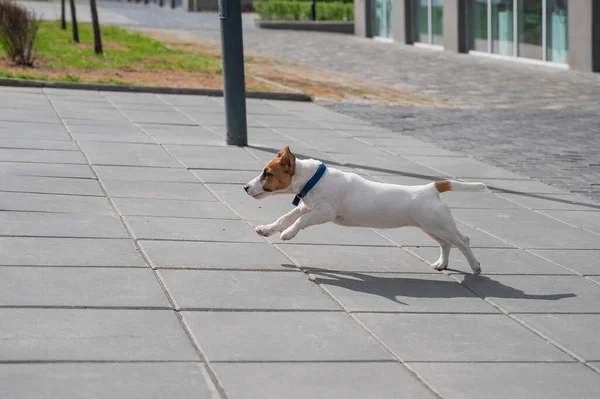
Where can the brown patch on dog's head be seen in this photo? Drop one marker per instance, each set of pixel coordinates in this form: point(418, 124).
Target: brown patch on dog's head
point(443, 186)
point(278, 173)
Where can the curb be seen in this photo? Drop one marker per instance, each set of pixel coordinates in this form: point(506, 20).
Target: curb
point(342, 27)
point(262, 95)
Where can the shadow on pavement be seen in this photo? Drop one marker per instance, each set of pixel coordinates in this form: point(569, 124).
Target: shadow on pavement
point(391, 286)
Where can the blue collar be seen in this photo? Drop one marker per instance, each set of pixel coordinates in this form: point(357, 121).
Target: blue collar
point(311, 183)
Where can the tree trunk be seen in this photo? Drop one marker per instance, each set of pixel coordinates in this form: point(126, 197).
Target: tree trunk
point(96, 27)
point(63, 17)
point(74, 21)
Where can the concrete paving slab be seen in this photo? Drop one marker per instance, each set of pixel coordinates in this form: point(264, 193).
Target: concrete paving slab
point(137, 174)
point(494, 261)
point(424, 151)
point(45, 170)
point(200, 157)
point(545, 294)
point(394, 292)
point(35, 224)
point(528, 229)
point(581, 261)
point(158, 190)
point(327, 380)
point(117, 136)
point(173, 208)
point(510, 380)
point(477, 200)
point(123, 154)
point(50, 185)
point(356, 259)
point(154, 116)
point(81, 287)
point(188, 135)
point(102, 130)
point(566, 202)
point(332, 234)
point(30, 251)
point(575, 332)
point(54, 203)
point(235, 177)
point(381, 164)
point(282, 336)
point(413, 236)
point(401, 180)
point(265, 210)
point(223, 289)
point(464, 338)
point(89, 380)
point(38, 144)
point(165, 228)
point(523, 186)
point(41, 156)
point(93, 335)
point(32, 130)
point(464, 167)
point(585, 219)
point(218, 255)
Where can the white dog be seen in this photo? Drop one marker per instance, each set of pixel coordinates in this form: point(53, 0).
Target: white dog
point(330, 195)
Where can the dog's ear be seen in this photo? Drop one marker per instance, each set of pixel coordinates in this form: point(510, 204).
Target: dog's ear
point(288, 160)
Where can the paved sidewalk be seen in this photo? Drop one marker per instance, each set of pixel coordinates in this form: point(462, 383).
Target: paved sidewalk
point(129, 267)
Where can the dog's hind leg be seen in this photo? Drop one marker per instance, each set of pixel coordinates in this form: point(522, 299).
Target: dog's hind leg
point(442, 262)
point(440, 223)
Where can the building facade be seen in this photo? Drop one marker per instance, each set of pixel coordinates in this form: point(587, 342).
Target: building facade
point(563, 33)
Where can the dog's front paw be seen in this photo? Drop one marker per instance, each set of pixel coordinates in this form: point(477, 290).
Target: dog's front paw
point(264, 231)
point(288, 234)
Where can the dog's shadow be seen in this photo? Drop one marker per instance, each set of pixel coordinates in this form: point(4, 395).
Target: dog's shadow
point(391, 287)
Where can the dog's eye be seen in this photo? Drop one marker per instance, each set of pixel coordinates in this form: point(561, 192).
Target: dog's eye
point(266, 174)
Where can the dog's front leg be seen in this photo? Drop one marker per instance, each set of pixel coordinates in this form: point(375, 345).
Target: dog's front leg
point(321, 214)
point(283, 222)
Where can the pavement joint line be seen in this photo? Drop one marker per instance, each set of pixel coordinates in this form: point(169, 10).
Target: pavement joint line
point(200, 353)
point(7, 147)
point(96, 361)
point(56, 236)
point(223, 269)
point(82, 307)
point(53, 177)
point(75, 266)
point(46, 193)
point(304, 361)
point(178, 217)
point(46, 163)
point(256, 310)
point(188, 240)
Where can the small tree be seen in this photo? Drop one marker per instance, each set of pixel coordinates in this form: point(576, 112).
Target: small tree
point(74, 21)
point(18, 32)
point(96, 27)
point(63, 18)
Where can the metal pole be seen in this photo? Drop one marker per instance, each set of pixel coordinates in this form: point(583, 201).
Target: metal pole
point(172, 3)
point(230, 13)
point(313, 10)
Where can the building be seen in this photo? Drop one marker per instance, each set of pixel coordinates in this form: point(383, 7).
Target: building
point(562, 33)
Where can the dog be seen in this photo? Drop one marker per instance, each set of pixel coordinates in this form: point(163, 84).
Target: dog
point(346, 199)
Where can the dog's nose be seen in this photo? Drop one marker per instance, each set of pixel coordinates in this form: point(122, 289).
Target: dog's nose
point(246, 187)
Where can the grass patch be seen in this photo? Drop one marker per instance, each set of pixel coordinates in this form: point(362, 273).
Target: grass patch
point(122, 49)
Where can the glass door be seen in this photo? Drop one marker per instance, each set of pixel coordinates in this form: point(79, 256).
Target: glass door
point(427, 21)
point(382, 18)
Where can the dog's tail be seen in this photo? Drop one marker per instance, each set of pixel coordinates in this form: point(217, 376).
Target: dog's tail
point(453, 185)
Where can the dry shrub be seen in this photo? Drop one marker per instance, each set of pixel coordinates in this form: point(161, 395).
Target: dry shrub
point(18, 32)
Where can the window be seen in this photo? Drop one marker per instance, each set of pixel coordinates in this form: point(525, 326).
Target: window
point(532, 29)
point(428, 21)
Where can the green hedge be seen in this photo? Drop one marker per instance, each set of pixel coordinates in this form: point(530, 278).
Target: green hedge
point(294, 10)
